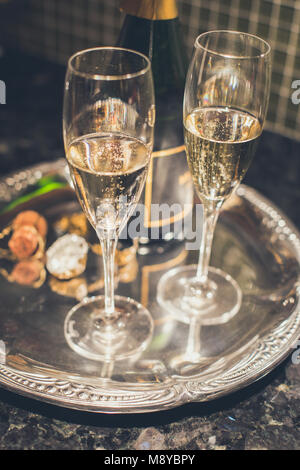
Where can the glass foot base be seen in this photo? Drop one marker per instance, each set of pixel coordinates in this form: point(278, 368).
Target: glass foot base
point(185, 298)
point(93, 335)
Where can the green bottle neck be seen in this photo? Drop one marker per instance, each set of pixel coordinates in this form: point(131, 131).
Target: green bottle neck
point(161, 41)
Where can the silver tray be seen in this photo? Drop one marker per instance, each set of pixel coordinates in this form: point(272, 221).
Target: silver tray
point(254, 242)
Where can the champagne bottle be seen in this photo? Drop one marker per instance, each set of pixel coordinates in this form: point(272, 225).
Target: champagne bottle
point(152, 27)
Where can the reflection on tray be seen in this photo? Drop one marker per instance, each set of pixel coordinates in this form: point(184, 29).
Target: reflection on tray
point(254, 243)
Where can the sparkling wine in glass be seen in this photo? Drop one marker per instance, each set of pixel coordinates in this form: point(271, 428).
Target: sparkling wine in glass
point(225, 104)
point(108, 124)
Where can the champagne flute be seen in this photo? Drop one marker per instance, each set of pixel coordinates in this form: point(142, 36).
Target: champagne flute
point(108, 124)
point(225, 104)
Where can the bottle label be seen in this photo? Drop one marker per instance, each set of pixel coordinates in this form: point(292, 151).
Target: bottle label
point(150, 9)
point(168, 180)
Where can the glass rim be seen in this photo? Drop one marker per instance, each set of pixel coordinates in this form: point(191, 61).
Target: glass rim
point(99, 76)
point(267, 51)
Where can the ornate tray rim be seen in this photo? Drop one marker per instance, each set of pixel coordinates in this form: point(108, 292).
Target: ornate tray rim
point(75, 394)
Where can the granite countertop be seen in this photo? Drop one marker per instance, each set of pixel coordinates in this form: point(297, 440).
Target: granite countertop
point(265, 415)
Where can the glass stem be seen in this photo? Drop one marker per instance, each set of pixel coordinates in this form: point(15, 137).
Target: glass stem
point(211, 210)
point(108, 240)
point(193, 344)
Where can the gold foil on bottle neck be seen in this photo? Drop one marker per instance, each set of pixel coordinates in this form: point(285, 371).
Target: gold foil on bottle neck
point(150, 9)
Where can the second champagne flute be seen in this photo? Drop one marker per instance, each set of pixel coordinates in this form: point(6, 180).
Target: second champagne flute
point(108, 124)
point(225, 104)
